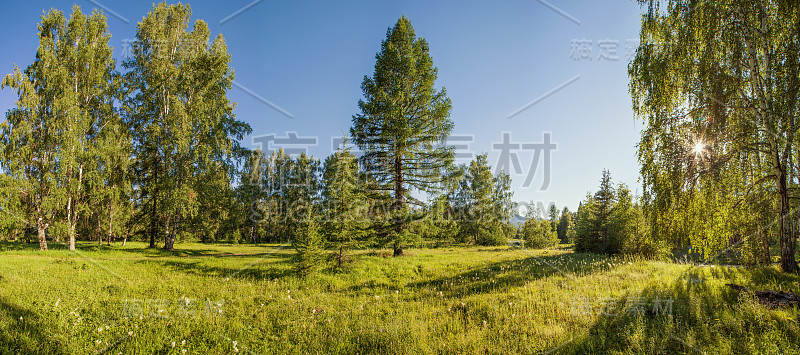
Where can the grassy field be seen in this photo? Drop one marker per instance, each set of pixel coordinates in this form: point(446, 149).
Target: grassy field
point(247, 299)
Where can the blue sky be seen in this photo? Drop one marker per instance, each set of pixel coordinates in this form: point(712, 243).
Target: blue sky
point(308, 58)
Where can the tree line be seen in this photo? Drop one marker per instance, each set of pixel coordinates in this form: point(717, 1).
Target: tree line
point(151, 152)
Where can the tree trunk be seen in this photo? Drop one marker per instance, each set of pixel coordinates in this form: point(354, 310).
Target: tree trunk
point(110, 222)
point(398, 205)
point(169, 241)
point(172, 232)
point(788, 242)
point(71, 225)
point(153, 223)
point(169, 245)
point(154, 211)
point(41, 227)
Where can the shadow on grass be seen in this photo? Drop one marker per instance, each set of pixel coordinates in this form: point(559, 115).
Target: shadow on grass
point(689, 316)
point(508, 274)
point(24, 334)
point(93, 247)
point(158, 252)
point(256, 270)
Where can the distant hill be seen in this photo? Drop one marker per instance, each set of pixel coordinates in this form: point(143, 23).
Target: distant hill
point(517, 220)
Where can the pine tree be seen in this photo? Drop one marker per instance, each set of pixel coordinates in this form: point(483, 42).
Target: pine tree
point(621, 221)
point(477, 186)
point(585, 240)
point(593, 219)
point(402, 123)
point(482, 204)
point(570, 230)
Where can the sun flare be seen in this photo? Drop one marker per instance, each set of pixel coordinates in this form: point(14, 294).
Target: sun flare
point(698, 148)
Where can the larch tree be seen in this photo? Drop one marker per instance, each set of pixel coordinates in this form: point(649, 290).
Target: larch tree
point(403, 124)
point(309, 244)
point(344, 205)
point(303, 194)
point(182, 121)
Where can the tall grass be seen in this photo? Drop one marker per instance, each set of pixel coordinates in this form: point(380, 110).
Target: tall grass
point(247, 299)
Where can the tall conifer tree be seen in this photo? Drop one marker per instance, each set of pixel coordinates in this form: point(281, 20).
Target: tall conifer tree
point(403, 122)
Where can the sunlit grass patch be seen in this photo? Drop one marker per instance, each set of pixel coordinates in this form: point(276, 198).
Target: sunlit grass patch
point(246, 298)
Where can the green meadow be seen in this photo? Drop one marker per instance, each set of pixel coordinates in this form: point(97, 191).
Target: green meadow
point(221, 299)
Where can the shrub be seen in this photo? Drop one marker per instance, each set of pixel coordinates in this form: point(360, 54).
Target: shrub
point(539, 234)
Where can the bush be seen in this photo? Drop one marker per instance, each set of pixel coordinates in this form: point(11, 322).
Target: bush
point(639, 241)
point(491, 234)
point(539, 234)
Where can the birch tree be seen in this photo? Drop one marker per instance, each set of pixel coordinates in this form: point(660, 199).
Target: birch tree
point(721, 77)
point(182, 122)
point(65, 101)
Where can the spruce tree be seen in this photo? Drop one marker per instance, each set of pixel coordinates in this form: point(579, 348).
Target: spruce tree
point(601, 214)
point(563, 224)
point(552, 214)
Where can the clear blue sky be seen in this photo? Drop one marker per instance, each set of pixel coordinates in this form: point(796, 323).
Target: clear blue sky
point(309, 57)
